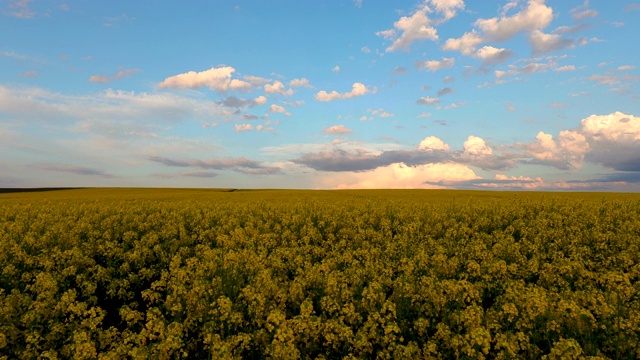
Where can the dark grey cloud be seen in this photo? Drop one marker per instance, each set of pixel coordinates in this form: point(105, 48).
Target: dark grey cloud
point(242, 165)
point(341, 160)
point(72, 169)
point(618, 156)
point(249, 117)
point(445, 91)
point(235, 102)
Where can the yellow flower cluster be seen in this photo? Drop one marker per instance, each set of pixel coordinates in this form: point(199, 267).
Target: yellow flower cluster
point(167, 274)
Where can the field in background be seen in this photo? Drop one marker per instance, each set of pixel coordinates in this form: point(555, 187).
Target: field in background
point(226, 273)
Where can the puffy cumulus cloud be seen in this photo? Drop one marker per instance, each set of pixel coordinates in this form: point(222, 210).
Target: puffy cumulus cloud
point(409, 29)
point(302, 82)
point(435, 65)
point(419, 26)
point(543, 43)
point(567, 152)
point(617, 126)
point(466, 44)
point(433, 143)
point(337, 129)
point(240, 85)
point(477, 152)
point(614, 140)
point(260, 100)
point(278, 109)
point(240, 164)
point(448, 8)
point(535, 16)
point(399, 176)
point(217, 79)
point(431, 150)
point(243, 127)
point(476, 146)
point(491, 55)
point(358, 89)
point(277, 88)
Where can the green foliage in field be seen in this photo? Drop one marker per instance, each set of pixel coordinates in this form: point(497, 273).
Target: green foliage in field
point(163, 274)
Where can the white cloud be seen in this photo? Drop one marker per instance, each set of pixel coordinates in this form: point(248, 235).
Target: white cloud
point(626, 67)
point(411, 28)
point(447, 8)
point(243, 127)
point(278, 109)
point(567, 152)
point(535, 16)
point(337, 129)
point(358, 89)
point(336, 68)
point(466, 44)
point(431, 143)
point(476, 146)
point(491, 55)
point(302, 82)
point(617, 126)
point(399, 176)
point(260, 100)
point(614, 140)
point(435, 65)
point(240, 85)
point(277, 88)
point(217, 79)
point(365, 50)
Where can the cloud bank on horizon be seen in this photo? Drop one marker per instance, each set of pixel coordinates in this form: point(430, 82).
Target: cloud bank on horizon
point(505, 94)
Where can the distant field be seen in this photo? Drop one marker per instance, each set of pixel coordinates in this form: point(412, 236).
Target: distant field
point(301, 274)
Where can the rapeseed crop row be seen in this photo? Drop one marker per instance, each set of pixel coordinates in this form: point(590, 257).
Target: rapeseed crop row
point(302, 275)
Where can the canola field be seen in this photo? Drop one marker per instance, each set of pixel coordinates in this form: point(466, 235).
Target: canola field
point(275, 274)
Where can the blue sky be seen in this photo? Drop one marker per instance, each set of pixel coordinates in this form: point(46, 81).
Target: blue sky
point(523, 94)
